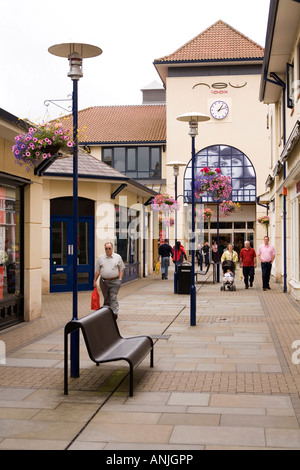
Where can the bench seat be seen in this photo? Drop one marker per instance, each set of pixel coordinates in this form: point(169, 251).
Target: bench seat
point(105, 344)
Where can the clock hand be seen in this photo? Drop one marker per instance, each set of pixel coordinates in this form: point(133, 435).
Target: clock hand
point(222, 107)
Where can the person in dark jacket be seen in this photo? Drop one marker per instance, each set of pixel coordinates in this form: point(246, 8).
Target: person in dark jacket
point(165, 251)
point(205, 250)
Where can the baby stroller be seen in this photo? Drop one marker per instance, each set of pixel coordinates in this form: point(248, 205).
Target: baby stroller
point(228, 280)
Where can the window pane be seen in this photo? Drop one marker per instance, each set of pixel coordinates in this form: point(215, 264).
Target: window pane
point(239, 225)
point(119, 159)
point(143, 174)
point(155, 163)
point(143, 159)
point(59, 243)
point(83, 251)
point(131, 160)
point(107, 156)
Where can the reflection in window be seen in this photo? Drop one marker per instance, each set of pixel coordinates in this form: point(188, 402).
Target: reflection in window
point(232, 162)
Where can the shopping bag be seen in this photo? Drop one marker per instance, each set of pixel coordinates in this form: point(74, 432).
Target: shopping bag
point(157, 268)
point(95, 302)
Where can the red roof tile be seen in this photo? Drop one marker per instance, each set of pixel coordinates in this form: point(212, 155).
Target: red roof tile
point(218, 42)
point(123, 124)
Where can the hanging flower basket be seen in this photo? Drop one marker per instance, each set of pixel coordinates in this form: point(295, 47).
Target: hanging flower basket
point(168, 221)
point(206, 214)
point(211, 181)
point(264, 220)
point(229, 207)
point(41, 142)
point(164, 203)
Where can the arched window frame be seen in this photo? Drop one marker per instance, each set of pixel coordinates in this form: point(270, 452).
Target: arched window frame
point(232, 162)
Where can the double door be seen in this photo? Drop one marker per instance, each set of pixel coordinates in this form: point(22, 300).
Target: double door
point(61, 257)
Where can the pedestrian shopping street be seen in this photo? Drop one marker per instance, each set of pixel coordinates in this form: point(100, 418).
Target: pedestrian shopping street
point(230, 382)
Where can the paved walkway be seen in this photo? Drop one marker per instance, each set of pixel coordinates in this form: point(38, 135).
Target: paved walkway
point(227, 383)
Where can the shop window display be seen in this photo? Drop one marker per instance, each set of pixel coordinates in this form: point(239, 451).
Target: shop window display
point(9, 242)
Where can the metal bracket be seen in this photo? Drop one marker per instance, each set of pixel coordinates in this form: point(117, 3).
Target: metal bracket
point(118, 190)
point(47, 102)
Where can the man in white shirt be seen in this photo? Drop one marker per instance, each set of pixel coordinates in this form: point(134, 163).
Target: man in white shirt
point(108, 276)
point(266, 255)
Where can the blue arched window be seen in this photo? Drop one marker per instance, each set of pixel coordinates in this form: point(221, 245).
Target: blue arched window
point(232, 162)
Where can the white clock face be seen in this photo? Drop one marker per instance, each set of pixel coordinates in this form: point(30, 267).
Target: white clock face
point(219, 109)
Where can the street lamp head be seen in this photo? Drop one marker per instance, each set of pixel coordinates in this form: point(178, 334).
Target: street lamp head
point(75, 52)
point(193, 118)
point(176, 164)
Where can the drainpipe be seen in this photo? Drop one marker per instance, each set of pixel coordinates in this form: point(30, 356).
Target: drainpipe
point(279, 82)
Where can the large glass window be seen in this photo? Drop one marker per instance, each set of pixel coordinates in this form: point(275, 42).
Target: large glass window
point(232, 162)
point(10, 242)
point(141, 162)
point(127, 233)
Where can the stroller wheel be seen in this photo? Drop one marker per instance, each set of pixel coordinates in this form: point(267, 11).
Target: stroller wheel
point(222, 288)
point(233, 287)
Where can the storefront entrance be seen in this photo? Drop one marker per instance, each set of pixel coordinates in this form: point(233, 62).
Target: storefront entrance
point(61, 241)
point(61, 259)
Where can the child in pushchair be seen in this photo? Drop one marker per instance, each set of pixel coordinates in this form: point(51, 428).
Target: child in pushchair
point(228, 268)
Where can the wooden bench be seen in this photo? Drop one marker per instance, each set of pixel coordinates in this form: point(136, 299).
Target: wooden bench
point(105, 344)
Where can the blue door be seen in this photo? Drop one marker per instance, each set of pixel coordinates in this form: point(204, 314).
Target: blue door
point(61, 259)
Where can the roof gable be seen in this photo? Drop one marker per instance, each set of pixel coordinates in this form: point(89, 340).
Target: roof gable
point(218, 42)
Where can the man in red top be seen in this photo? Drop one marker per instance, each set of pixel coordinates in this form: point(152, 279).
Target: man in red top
point(248, 263)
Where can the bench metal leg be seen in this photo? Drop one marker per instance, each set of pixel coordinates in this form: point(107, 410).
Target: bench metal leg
point(152, 357)
point(131, 381)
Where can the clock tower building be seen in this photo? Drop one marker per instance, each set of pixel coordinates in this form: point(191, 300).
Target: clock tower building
point(218, 73)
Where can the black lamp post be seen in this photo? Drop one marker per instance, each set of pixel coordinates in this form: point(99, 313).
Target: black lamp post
point(176, 166)
point(75, 52)
point(193, 118)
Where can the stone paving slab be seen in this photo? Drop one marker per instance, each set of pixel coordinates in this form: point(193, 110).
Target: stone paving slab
point(226, 383)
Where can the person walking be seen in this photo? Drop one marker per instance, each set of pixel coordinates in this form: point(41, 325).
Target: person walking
point(205, 250)
point(165, 251)
point(266, 255)
point(230, 254)
point(108, 276)
point(214, 252)
point(199, 256)
point(181, 254)
point(248, 263)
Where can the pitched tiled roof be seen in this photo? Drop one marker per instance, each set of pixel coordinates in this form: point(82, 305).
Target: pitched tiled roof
point(218, 42)
point(88, 166)
point(121, 124)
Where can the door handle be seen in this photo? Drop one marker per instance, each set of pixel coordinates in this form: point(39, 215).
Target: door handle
point(70, 249)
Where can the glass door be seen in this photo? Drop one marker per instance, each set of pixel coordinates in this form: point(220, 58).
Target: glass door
point(61, 258)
